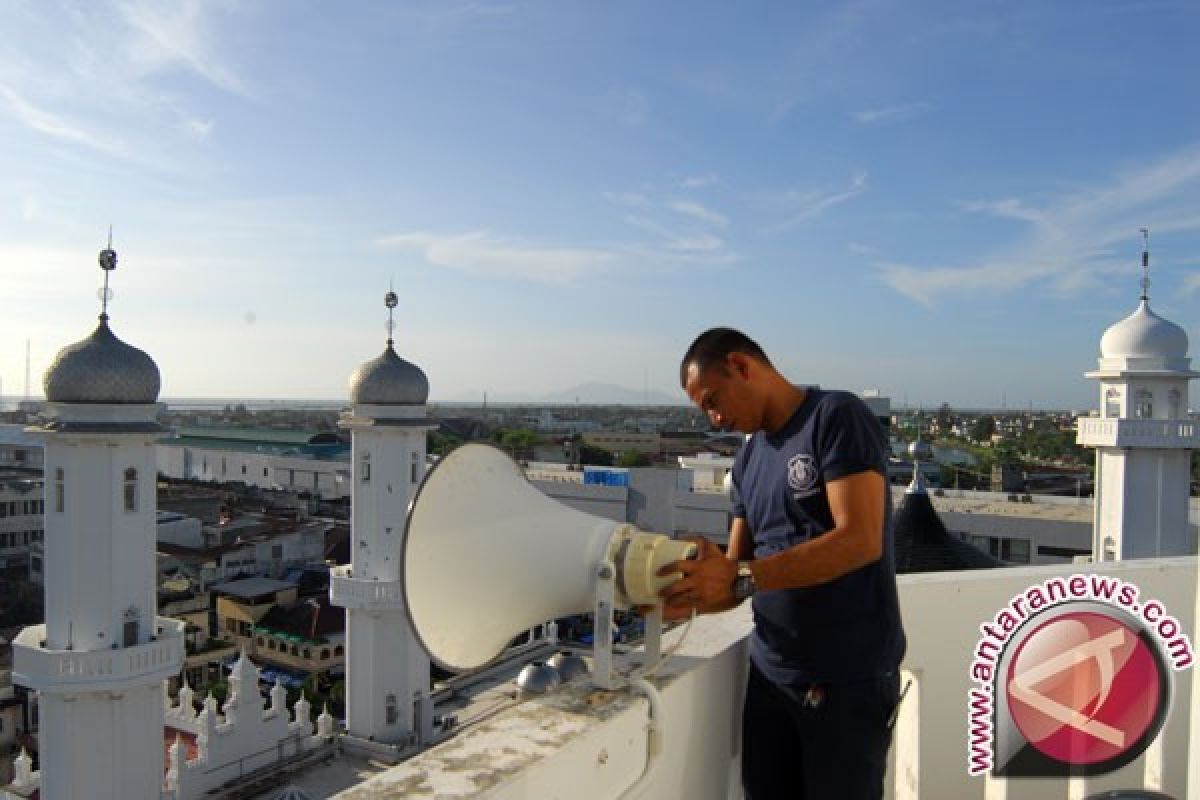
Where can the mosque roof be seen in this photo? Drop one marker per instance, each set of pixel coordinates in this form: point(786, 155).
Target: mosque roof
point(1144, 334)
point(102, 369)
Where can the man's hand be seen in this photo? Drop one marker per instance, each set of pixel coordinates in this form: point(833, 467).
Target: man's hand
point(706, 585)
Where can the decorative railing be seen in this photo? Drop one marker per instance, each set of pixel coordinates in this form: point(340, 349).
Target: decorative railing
point(1100, 432)
point(350, 592)
point(39, 667)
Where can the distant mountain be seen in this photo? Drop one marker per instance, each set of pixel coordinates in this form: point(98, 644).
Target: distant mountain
point(585, 393)
point(611, 394)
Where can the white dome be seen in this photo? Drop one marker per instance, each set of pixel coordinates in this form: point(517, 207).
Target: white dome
point(1144, 334)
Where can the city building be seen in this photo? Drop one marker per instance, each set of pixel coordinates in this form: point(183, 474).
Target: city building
point(317, 463)
point(19, 449)
point(21, 525)
point(239, 546)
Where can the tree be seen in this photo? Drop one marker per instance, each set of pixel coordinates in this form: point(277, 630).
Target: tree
point(520, 442)
point(632, 458)
point(442, 443)
point(219, 690)
point(984, 427)
point(337, 695)
point(943, 416)
point(1006, 452)
point(594, 456)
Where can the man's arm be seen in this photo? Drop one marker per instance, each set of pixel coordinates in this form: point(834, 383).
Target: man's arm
point(857, 504)
point(678, 603)
point(741, 544)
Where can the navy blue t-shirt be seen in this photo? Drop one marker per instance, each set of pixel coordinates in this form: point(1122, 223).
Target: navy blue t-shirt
point(848, 629)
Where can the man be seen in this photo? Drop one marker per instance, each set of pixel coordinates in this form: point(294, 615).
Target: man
point(811, 541)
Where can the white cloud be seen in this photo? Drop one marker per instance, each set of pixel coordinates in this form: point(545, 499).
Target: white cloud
point(451, 14)
point(1191, 283)
point(874, 116)
point(803, 206)
point(699, 181)
point(675, 240)
point(177, 35)
point(688, 237)
point(55, 126)
point(863, 249)
point(35, 272)
point(481, 253)
point(632, 107)
point(86, 75)
point(198, 128)
point(1009, 208)
point(698, 211)
point(633, 199)
point(1070, 241)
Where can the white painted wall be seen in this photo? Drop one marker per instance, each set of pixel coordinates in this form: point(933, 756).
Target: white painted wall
point(581, 745)
point(385, 665)
point(328, 478)
point(97, 746)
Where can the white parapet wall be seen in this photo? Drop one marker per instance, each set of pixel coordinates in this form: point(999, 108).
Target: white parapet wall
point(585, 743)
point(581, 743)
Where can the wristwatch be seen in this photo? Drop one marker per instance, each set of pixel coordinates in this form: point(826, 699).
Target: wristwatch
point(743, 584)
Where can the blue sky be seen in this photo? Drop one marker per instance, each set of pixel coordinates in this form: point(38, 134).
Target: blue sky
point(937, 199)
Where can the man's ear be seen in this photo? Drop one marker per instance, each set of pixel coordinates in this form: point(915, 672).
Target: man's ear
point(739, 364)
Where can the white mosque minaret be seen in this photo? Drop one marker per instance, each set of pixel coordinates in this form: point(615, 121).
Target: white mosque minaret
point(1143, 437)
point(101, 657)
point(387, 670)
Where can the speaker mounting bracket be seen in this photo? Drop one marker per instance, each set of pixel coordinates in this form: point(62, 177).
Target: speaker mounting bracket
point(604, 674)
point(602, 633)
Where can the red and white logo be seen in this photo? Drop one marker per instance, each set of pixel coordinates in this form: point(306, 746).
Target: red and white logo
point(1085, 689)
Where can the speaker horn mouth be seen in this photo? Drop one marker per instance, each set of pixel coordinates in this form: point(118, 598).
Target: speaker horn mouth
point(486, 554)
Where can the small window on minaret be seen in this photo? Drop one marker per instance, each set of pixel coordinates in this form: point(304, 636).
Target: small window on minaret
point(1173, 402)
point(391, 711)
point(131, 489)
point(129, 628)
point(60, 490)
point(415, 467)
point(1144, 409)
point(364, 467)
point(1112, 403)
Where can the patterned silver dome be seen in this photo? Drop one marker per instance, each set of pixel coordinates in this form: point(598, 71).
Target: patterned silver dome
point(102, 369)
point(389, 381)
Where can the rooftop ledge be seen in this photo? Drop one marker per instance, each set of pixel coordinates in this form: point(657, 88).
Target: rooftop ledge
point(582, 743)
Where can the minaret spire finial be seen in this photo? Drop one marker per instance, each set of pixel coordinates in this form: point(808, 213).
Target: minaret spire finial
point(391, 301)
point(108, 262)
point(1145, 263)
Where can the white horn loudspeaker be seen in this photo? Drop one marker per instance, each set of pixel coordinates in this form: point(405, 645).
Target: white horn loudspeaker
point(487, 555)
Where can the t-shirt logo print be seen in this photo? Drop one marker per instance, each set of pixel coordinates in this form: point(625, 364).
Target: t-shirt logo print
point(802, 475)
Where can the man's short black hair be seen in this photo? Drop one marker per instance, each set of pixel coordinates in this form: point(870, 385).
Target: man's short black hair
point(713, 345)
